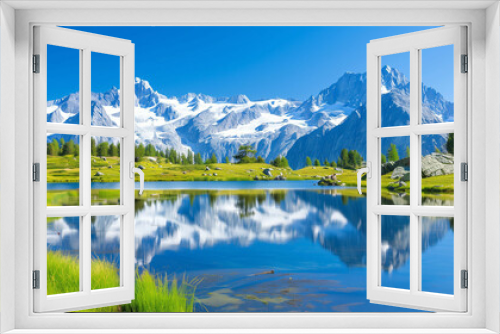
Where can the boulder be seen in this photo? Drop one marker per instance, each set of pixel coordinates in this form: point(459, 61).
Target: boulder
point(141, 167)
point(256, 178)
point(214, 174)
point(99, 174)
point(207, 168)
point(109, 166)
point(104, 158)
point(391, 165)
point(436, 164)
point(280, 178)
point(218, 168)
point(399, 172)
point(152, 159)
point(267, 172)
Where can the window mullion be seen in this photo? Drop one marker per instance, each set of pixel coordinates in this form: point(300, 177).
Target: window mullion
point(414, 175)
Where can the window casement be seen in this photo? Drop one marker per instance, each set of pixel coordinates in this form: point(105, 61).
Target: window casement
point(85, 210)
point(414, 213)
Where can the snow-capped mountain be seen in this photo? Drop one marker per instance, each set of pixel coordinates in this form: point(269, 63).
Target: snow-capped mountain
point(274, 127)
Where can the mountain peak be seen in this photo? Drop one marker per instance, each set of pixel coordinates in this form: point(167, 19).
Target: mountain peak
point(238, 99)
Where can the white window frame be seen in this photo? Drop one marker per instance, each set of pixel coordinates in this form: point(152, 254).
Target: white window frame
point(413, 44)
point(85, 44)
point(483, 251)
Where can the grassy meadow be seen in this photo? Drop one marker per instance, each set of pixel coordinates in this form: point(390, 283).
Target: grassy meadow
point(66, 169)
point(152, 294)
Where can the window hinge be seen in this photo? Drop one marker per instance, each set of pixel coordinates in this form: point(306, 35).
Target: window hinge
point(464, 171)
point(36, 172)
point(465, 64)
point(465, 279)
point(36, 279)
point(36, 63)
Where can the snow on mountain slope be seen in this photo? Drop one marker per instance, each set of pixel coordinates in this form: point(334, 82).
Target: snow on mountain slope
point(219, 125)
point(207, 124)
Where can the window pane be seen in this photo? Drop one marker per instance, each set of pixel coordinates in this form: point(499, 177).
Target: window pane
point(395, 252)
point(395, 170)
point(63, 250)
point(106, 231)
point(437, 84)
point(437, 254)
point(395, 90)
point(438, 170)
point(105, 106)
point(105, 170)
point(63, 85)
point(63, 170)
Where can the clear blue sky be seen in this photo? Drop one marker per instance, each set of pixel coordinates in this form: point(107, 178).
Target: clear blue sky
point(261, 62)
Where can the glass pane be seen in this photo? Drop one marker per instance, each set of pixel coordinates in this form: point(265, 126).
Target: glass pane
point(63, 252)
point(105, 108)
point(105, 170)
point(437, 84)
point(395, 252)
point(437, 255)
point(395, 90)
point(63, 85)
point(395, 170)
point(105, 270)
point(63, 169)
point(438, 170)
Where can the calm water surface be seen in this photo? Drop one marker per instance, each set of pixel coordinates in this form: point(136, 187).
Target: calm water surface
point(257, 248)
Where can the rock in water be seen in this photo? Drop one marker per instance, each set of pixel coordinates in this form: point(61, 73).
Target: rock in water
point(436, 164)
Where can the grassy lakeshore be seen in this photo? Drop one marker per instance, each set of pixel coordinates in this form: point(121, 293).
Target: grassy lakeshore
point(152, 294)
point(65, 169)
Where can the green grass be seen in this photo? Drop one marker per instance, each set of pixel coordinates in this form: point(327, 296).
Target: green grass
point(151, 293)
point(65, 169)
point(62, 273)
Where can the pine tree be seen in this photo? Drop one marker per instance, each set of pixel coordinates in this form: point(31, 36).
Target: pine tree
point(227, 160)
point(197, 159)
point(77, 150)
point(140, 151)
point(308, 161)
point(61, 146)
point(333, 164)
point(93, 147)
point(344, 156)
point(190, 157)
point(407, 152)
point(261, 160)
point(326, 163)
point(392, 153)
point(113, 150)
point(214, 158)
point(172, 156)
point(317, 163)
point(118, 146)
point(450, 143)
point(53, 148)
point(103, 149)
point(244, 152)
point(384, 159)
point(69, 148)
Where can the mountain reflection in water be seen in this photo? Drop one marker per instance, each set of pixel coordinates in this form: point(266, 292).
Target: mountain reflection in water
point(313, 240)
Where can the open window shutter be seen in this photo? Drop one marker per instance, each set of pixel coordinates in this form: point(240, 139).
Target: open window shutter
point(415, 296)
point(83, 215)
